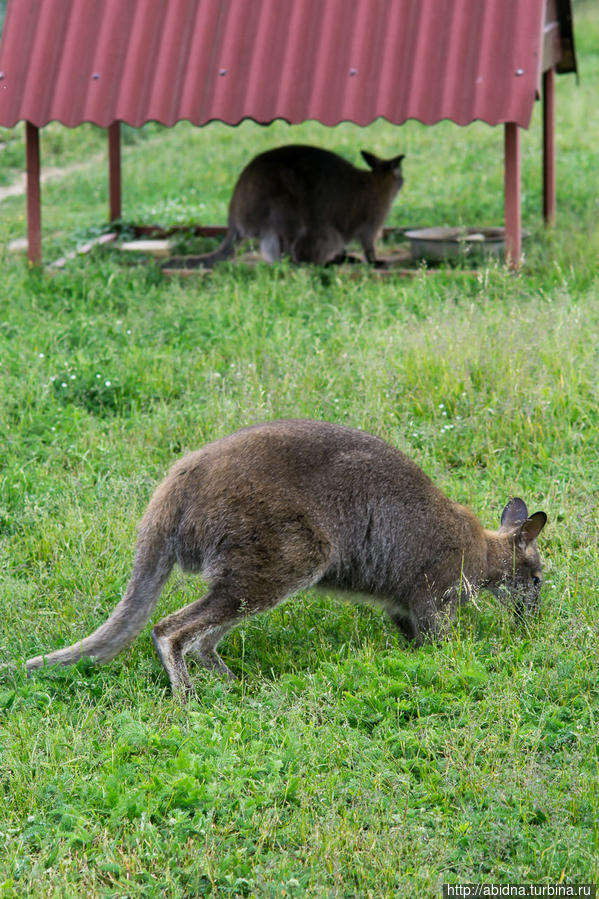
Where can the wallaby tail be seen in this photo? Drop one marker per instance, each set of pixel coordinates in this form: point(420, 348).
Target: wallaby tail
point(150, 572)
point(224, 251)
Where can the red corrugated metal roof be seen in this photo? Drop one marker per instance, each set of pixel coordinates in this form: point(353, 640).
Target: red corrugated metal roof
point(332, 60)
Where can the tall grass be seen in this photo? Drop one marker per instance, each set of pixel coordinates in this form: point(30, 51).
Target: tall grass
point(344, 762)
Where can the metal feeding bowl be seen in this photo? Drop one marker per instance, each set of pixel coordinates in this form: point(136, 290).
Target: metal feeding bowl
point(440, 244)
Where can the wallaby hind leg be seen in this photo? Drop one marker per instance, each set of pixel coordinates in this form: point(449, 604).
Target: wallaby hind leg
point(277, 557)
point(319, 246)
point(270, 246)
point(198, 628)
point(295, 563)
point(204, 651)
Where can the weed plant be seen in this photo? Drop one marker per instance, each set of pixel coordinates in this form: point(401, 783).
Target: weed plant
point(343, 762)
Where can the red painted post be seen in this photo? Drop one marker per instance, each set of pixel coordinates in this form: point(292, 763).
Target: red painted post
point(114, 169)
point(549, 203)
point(34, 204)
point(513, 214)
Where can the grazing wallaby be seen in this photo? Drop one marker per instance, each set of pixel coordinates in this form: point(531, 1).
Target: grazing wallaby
point(308, 203)
point(283, 506)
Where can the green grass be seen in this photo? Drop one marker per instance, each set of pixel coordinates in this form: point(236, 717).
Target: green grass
point(343, 763)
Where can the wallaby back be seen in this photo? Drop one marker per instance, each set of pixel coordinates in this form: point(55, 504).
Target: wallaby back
point(292, 504)
point(308, 203)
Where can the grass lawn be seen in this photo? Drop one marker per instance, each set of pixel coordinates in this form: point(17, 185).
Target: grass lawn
point(344, 762)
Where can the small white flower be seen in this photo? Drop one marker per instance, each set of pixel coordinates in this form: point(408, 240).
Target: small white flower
point(40, 355)
point(98, 376)
point(63, 384)
point(73, 377)
point(107, 383)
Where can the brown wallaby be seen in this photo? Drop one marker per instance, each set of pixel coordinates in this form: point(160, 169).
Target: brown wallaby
point(308, 203)
point(283, 506)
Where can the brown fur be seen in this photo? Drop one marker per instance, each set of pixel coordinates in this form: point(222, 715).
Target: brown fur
point(308, 203)
point(288, 505)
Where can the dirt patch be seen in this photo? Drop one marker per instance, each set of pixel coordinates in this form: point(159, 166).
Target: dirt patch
point(19, 187)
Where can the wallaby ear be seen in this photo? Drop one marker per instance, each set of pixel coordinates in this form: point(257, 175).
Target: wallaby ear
point(371, 160)
point(514, 514)
point(383, 165)
point(395, 164)
point(532, 527)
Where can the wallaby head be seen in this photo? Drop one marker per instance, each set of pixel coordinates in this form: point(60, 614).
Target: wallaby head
point(288, 505)
point(515, 566)
point(308, 203)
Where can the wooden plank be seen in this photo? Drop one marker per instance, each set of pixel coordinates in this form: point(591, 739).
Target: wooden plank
point(150, 247)
point(157, 231)
point(84, 249)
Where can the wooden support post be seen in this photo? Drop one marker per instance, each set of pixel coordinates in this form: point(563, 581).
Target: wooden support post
point(513, 213)
point(549, 203)
point(114, 170)
point(34, 205)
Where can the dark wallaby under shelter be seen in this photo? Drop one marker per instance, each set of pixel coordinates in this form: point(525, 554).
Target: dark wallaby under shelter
point(136, 61)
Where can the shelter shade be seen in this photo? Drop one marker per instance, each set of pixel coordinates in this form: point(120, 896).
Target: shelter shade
point(133, 61)
point(331, 60)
